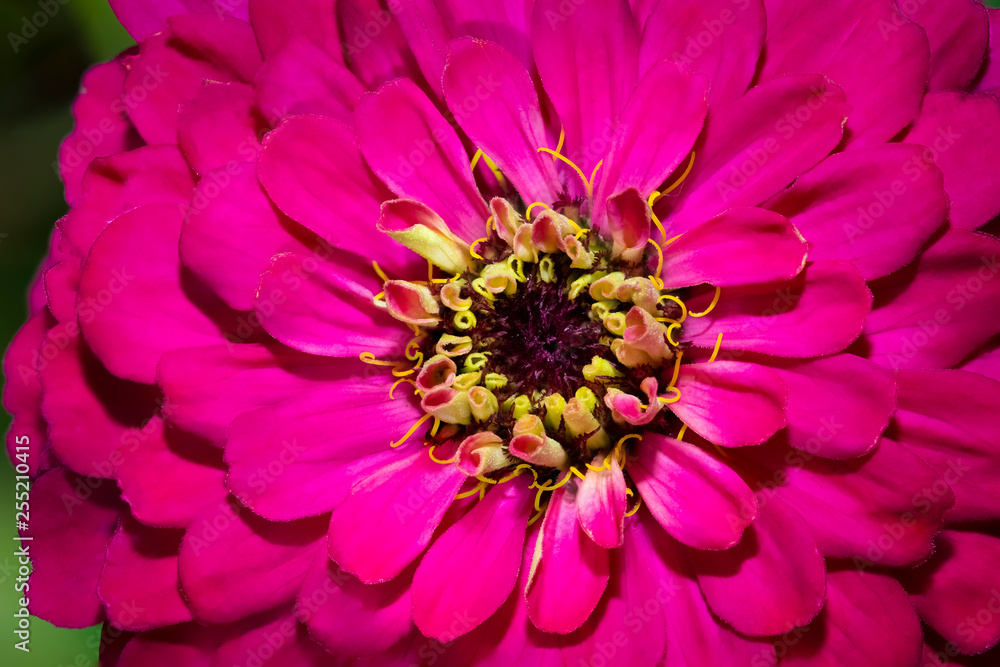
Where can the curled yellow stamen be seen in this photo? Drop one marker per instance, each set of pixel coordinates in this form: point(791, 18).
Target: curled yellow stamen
point(399, 382)
point(479, 488)
point(638, 504)
point(419, 362)
point(625, 438)
point(656, 221)
point(676, 184)
point(561, 482)
point(677, 370)
point(562, 139)
point(370, 358)
point(538, 515)
point(517, 471)
point(670, 332)
point(380, 272)
point(437, 425)
point(672, 399)
point(593, 174)
point(715, 352)
point(486, 480)
point(472, 248)
point(671, 297)
point(711, 306)
point(659, 264)
point(527, 214)
point(680, 433)
point(475, 158)
point(412, 430)
point(572, 165)
point(430, 453)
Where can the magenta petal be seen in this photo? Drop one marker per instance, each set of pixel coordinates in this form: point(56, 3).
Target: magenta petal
point(651, 141)
point(989, 78)
point(303, 79)
point(167, 476)
point(188, 644)
point(276, 22)
point(956, 591)
point(22, 396)
point(680, 30)
point(278, 635)
point(962, 135)
point(875, 207)
point(750, 150)
point(837, 406)
point(224, 533)
point(205, 388)
point(738, 247)
point(731, 403)
point(312, 169)
point(601, 504)
point(566, 584)
point(588, 61)
point(509, 128)
point(379, 58)
point(139, 583)
point(489, 539)
point(390, 516)
point(959, 34)
point(867, 621)
point(219, 127)
point(231, 232)
point(302, 456)
point(314, 303)
point(414, 150)
point(819, 312)
point(780, 576)
point(350, 618)
point(142, 18)
point(695, 636)
point(936, 312)
point(853, 43)
point(948, 419)
point(72, 520)
point(696, 498)
point(884, 508)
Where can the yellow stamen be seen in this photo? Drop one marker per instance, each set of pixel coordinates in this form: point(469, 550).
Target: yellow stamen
point(430, 453)
point(638, 504)
point(412, 430)
point(656, 221)
point(562, 139)
point(478, 489)
point(419, 362)
point(517, 471)
point(680, 433)
point(486, 480)
point(475, 158)
point(711, 306)
point(369, 358)
point(676, 184)
point(659, 264)
point(670, 331)
point(673, 399)
point(380, 272)
point(399, 382)
point(538, 515)
point(715, 352)
point(527, 214)
point(583, 177)
point(625, 438)
point(677, 370)
point(671, 297)
point(590, 183)
point(437, 425)
point(472, 248)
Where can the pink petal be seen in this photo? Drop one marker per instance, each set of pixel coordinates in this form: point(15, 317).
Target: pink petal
point(22, 395)
point(947, 418)
point(650, 142)
point(962, 134)
point(90, 413)
point(226, 533)
point(780, 576)
point(381, 57)
point(853, 43)
point(720, 38)
point(172, 65)
point(838, 406)
point(131, 289)
point(276, 22)
point(489, 539)
point(819, 312)
point(187, 644)
point(167, 476)
point(312, 170)
point(509, 127)
point(694, 635)
point(100, 129)
point(754, 147)
point(205, 388)
point(139, 582)
point(731, 403)
point(414, 150)
point(601, 504)
point(142, 18)
point(989, 76)
point(300, 457)
point(568, 581)
point(884, 508)
point(738, 247)
point(959, 34)
point(866, 621)
point(588, 61)
point(316, 303)
point(302, 78)
point(72, 520)
point(350, 618)
point(219, 126)
point(390, 516)
point(696, 498)
point(876, 207)
point(936, 312)
point(956, 591)
point(231, 232)
point(629, 221)
point(276, 640)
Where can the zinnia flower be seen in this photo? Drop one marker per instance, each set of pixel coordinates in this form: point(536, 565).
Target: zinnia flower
point(553, 332)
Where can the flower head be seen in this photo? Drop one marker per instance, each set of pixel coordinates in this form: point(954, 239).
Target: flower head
point(600, 333)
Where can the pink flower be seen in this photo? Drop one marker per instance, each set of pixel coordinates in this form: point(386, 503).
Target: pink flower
point(523, 333)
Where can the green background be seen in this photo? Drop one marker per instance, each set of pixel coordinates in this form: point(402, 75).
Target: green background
point(37, 86)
